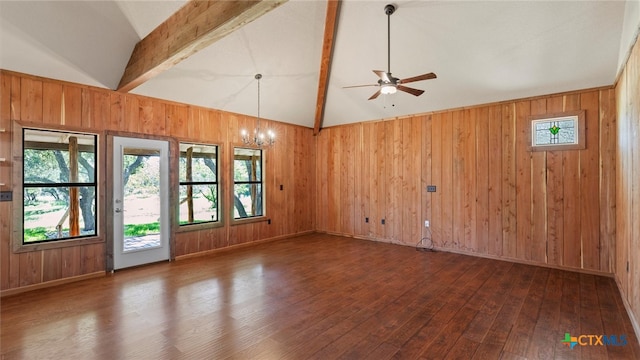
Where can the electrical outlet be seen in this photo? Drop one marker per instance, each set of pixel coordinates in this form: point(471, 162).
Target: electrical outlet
point(382, 221)
point(431, 188)
point(6, 196)
point(366, 219)
point(426, 223)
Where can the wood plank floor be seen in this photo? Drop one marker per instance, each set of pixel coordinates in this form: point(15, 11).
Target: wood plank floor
point(320, 297)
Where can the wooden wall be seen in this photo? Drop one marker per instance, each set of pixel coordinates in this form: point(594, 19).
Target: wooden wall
point(41, 102)
point(628, 185)
point(494, 197)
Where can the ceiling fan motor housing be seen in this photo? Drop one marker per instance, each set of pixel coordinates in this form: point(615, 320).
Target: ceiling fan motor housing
point(392, 81)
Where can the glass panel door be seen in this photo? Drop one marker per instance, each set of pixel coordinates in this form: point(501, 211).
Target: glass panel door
point(141, 222)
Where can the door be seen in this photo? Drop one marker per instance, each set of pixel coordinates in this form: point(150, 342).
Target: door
point(140, 201)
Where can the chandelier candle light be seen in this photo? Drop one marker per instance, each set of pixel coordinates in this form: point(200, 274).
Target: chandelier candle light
point(259, 138)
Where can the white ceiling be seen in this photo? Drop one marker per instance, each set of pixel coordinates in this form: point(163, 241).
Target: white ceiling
point(482, 51)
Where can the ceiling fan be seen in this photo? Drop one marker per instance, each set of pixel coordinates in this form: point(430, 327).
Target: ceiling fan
point(387, 83)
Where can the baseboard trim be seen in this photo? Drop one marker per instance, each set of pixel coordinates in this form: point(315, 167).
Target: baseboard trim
point(627, 306)
point(526, 262)
point(52, 283)
point(470, 253)
point(240, 246)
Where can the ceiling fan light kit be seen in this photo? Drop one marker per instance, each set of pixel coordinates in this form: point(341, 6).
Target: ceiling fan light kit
point(387, 83)
point(388, 89)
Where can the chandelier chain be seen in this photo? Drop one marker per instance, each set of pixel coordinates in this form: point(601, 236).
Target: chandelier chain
point(258, 77)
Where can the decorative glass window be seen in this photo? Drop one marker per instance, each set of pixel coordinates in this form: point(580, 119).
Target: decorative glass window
point(562, 132)
point(199, 193)
point(247, 183)
point(59, 185)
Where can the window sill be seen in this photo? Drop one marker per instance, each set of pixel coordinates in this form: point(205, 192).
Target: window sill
point(23, 248)
point(201, 226)
point(250, 220)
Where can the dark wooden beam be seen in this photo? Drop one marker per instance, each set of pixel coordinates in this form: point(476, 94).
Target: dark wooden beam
point(330, 28)
point(195, 26)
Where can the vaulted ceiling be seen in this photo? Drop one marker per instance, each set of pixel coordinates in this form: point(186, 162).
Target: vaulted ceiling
point(481, 51)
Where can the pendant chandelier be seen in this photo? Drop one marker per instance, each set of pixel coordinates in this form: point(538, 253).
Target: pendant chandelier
point(258, 137)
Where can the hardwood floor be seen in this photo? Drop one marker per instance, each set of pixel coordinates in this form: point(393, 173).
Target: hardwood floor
point(320, 297)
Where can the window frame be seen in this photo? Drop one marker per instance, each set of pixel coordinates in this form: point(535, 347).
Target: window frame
point(233, 183)
point(580, 128)
point(220, 191)
point(18, 243)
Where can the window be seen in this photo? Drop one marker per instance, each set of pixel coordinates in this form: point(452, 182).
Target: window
point(247, 183)
point(558, 132)
point(59, 185)
point(199, 195)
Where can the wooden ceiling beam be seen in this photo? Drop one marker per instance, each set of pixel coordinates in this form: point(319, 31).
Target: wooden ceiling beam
point(195, 26)
point(330, 29)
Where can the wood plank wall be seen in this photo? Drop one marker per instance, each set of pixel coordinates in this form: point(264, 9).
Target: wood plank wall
point(40, 102)
point(628, 185)
point(494, 197)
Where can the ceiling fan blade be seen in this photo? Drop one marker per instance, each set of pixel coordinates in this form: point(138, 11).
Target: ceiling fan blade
point(355, 86)
point(419, 78)
point(375, 95)
point(412, 91)
point(382, 75)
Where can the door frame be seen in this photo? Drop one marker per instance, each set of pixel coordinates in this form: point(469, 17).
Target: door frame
point(109, 199)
